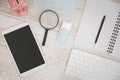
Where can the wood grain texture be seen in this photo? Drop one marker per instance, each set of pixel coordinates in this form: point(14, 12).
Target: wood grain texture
point(56, 54)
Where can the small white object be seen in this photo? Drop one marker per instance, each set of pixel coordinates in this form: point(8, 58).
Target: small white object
point(64, 32)
point(88, 66)
point(66, 25)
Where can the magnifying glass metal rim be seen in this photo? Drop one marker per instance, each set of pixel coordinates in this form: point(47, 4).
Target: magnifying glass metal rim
point(52, 12)
point(46, 29)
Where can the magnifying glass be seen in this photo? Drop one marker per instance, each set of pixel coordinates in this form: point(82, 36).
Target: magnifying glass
point(49, 19)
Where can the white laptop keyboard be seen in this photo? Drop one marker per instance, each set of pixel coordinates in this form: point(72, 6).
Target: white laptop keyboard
point(87, 66)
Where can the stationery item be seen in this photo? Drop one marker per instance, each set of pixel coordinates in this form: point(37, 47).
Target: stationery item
point(101, 25)
point(19, 6)
point(63, 34)
point(49, 19)
point(61, 5)
point(25, 51)
point(100, 37)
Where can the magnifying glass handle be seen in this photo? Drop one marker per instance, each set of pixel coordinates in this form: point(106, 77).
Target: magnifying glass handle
point(45, 37)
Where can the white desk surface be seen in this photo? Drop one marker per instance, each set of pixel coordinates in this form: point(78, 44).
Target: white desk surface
point(56, 54)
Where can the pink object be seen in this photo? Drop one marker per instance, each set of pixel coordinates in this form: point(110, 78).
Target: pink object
point(19, 6)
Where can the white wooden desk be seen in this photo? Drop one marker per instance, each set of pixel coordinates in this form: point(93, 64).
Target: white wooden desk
point(55, 53)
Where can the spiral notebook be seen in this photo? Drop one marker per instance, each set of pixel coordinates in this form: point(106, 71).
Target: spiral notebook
point(99, 29)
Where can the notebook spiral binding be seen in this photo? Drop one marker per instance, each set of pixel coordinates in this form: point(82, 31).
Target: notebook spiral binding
point(114, 35)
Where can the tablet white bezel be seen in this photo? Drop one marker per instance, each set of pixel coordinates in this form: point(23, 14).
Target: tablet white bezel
point(16, 28)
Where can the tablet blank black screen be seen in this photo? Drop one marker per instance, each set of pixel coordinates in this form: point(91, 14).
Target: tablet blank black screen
point(24, 49)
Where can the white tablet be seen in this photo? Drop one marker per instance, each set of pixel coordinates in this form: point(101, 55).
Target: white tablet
point(24, 48)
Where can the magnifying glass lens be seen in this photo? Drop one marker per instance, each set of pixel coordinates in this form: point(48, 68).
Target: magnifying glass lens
point(49, 20)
